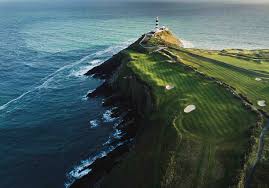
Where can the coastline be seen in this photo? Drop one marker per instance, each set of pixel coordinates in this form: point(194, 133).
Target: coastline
point(126, 108)
point(121, 108)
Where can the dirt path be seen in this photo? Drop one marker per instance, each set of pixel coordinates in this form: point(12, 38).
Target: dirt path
point(155, 48)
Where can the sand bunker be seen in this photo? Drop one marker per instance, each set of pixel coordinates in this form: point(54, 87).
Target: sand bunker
point(258, 79)
point(189, 108)
point(262, 103)
point(170, 61)
point(168, 87)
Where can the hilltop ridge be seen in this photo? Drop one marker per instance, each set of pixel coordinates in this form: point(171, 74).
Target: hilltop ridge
point(161, 38)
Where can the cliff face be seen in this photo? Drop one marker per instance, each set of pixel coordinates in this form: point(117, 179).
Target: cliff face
point(138, 93)
point(122, 82)
point(123, 85)
point(106, 70)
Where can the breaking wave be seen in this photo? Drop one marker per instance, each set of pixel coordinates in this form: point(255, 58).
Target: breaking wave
point(107, 116)
point(187, 44)
point(83, 168)
point(94, 124)
point(84, 69)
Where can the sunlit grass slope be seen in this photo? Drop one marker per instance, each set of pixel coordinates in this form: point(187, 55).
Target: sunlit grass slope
point(204, 148)
point(239, 73)
point(240, 69)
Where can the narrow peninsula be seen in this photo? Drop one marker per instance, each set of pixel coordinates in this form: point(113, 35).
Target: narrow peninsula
point(191, 117)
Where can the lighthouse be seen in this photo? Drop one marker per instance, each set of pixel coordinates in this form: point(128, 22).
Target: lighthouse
point(157, 24)
point(158, 28)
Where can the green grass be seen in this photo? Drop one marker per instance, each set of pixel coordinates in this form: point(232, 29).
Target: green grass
point(257, 66)
point(238, 73)
point(204, 148)
point(214, 104)
point(253, 55)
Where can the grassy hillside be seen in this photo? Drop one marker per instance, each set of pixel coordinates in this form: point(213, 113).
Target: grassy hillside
point(205, 148)
point(240, 69)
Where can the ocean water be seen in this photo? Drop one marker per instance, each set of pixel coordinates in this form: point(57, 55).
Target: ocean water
point(49, 130)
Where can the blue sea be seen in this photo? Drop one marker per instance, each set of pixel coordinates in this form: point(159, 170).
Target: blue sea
point(49, 130)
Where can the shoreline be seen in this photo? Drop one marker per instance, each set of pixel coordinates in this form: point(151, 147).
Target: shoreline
point(108, 71)
point(121, 108)
point(128, 128)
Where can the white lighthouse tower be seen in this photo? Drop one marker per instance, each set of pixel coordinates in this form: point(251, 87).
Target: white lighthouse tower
point(157, 26)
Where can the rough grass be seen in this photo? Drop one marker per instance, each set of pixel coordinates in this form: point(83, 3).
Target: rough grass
point(204, 148)
point(165, 38)
point(253, 55)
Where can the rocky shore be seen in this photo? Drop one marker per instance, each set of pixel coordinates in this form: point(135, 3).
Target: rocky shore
point(123, 107)
point(131, 100)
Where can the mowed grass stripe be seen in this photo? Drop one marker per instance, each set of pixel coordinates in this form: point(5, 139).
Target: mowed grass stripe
point(245, 84)
point(205, 147)
point(245, 66)
point(262, 66)
point(213, 119)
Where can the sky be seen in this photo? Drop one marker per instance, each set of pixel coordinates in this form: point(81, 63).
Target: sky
point(236, 1)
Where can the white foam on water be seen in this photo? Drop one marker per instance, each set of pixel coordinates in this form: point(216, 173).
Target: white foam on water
point(16, 99)
point(85, 97)
point(187, 44)
point(94, 124)
point(116, 135)
point(44, 84)
point(107, 116)
point(258, 79)
point(83, 168)
point(107, 142)
point(83, 70)
point(47, 80)
point(91, 90)
point(115, 48)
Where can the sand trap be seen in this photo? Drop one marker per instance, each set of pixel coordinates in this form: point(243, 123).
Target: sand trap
point(170, 61)
point(258, 79)
point(189, 108)
point(168, 87)
point(262, 103)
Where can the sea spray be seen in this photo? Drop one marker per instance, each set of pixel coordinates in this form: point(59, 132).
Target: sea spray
point(83, 168)
point(83, 70)
point(187, 44)
point(94, 123)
